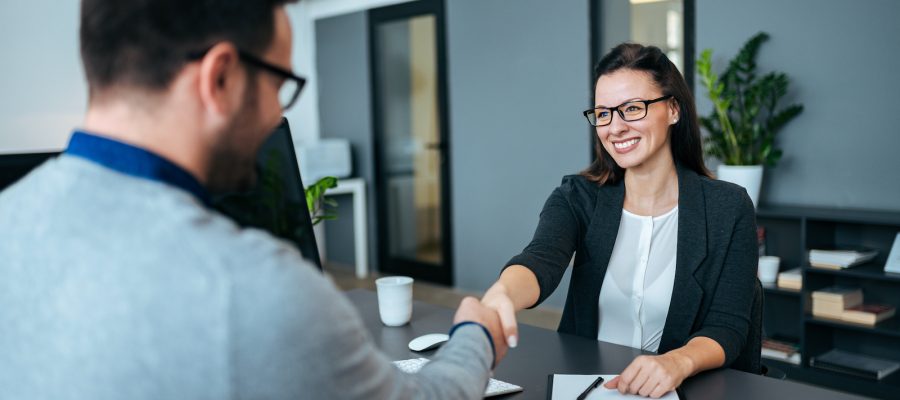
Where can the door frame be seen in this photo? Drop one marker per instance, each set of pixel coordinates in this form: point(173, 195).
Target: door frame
point(442, 274)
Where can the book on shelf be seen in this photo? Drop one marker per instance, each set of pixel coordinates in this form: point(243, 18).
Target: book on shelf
point(855, 364)
point(791, 279)
point(840, 259)
point(828, 313)
point(848, 296)
point(830, 302)
point(781, 350)
point(868, 314)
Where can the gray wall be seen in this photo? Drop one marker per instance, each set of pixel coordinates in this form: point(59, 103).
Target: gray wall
point(616, 23)
point(842, 58)
point(518, 79)
point(516, 91)
point(342, 59)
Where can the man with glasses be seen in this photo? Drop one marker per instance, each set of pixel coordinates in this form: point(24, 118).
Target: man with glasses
point(117, 281)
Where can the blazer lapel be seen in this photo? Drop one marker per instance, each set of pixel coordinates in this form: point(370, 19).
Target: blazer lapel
point(601, 237)
point(687, 293)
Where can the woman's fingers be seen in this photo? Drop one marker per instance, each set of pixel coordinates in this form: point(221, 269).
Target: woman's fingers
point(508, 321)
point(648, 388)
point(628, 375)
point(643, 382)
point(660, 391)
point(647, 376)
point(612, 384)
point(500, 302)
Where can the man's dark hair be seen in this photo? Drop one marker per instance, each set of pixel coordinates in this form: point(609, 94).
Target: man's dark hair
point(685, 142)
point(144, 43)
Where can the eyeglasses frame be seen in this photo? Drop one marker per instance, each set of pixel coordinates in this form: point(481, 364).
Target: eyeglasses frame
point(617, 108)
point(266, 66)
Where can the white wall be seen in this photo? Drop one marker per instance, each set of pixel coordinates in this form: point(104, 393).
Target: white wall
point(42, 89)
point(304, 117)
point(43, 94)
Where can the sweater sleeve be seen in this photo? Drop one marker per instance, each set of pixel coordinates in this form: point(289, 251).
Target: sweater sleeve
point(295, 336)
point(554, 242)
point(728, 319)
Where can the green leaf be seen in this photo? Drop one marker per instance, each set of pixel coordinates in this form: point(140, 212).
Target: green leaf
point(316, 201)
point(744, 121)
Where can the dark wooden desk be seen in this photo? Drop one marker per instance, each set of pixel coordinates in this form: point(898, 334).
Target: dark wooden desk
point(542, 352)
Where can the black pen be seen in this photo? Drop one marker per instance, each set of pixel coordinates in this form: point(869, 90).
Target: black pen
point(593, 386)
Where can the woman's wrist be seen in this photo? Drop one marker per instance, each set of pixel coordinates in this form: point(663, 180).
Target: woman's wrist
point(686, 364)
point(497, 289)
point(517, 284)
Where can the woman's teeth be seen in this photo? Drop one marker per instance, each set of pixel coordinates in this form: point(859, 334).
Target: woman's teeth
point(622, 145)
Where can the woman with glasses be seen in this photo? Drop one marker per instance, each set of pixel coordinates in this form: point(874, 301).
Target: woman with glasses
point(664, 255)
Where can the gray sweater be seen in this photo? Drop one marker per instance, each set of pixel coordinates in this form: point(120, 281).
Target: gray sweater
point(116, 287)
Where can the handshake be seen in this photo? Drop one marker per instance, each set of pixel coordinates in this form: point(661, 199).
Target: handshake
point(496, 313)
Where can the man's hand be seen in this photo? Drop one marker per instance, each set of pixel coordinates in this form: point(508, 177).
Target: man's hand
point(470, 309)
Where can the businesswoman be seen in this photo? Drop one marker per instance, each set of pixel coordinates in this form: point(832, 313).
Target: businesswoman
point(665, 256)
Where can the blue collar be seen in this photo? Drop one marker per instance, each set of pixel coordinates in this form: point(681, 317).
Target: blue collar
point(134, 161)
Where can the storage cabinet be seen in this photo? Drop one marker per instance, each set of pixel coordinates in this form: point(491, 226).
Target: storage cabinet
point(790, 233)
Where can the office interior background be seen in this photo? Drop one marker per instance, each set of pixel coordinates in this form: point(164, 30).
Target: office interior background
point(463, 119)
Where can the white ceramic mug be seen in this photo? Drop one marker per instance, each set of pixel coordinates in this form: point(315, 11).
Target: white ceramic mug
point(768, 268)
point(394, 299)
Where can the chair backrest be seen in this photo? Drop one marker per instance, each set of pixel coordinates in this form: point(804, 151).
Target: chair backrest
point(749, 359)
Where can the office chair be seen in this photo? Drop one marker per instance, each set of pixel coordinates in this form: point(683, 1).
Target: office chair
point(750, 359)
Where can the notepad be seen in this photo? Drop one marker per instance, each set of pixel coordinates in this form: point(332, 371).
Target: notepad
point(560, 386)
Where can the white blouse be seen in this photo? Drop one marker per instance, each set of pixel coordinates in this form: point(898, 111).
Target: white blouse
point(637, 288)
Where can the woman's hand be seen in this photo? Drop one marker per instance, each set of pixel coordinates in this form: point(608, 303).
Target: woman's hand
point(653, 376)
point(497, 298)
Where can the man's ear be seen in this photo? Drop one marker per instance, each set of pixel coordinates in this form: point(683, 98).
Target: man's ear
point(222, 81)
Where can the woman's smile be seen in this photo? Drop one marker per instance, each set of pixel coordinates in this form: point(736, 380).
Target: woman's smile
point(625, 145)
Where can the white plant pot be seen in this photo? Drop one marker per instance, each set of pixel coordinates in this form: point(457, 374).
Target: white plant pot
point(748, 176)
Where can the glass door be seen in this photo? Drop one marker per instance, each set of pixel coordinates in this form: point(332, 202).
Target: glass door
point(410, 128)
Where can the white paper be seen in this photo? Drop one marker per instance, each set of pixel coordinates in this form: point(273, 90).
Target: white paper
point(893, 261)
point(568, 387)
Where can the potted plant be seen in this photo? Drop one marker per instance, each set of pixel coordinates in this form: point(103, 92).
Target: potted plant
point(316, 201)
point(745, 116)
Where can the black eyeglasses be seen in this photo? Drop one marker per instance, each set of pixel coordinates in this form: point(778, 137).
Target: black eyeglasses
point(289, 90)
point(629, 111)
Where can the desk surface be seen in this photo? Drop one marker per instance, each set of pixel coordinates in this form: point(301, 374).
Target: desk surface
point(542, 352)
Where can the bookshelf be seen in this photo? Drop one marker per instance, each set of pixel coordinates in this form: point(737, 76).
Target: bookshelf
point(771, 289)
point(790, 233)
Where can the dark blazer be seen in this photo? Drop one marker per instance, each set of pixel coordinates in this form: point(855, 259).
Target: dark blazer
point(716, 259)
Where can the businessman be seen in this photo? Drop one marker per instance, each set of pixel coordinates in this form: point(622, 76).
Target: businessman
point(117, 281)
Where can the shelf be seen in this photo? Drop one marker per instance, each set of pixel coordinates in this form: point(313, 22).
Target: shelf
point(885, 388)
point(771, 288)
point(865, 271)
point(791, 231)
point(853, 216)
point(888, 327)
point(768, 360)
